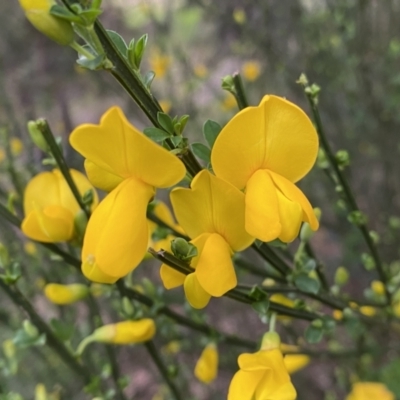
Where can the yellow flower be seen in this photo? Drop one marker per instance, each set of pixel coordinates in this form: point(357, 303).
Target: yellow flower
point(50, 207)
point(16, 146)
point(38, 14)
point(370, 391)
point(30, 248)
point(205, 213)
point(229, 102)
point(265, 150)
point(126, 332)
point(262, 376)
point(251, 70)
point(378, 288)
point(122, 160)
point(200, 70)
point(207, 365)
point(368, 311)
point(65, 294)
point(165, 105)
point(159, 63)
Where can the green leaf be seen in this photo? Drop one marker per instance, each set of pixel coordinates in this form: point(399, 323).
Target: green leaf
point(90, 16)
point(201, 151)
point(306, 284)
point(148, 79)
point(22, 339)
point(61, 329)
point(177, 140)
point(158, 135)
point(119, 42)
point(314, 334)
point(166, 122)
point(258, 294)
point(93, 64)
point(261, 307)
point(211, 130)
point(140, 47)
point(64, 13)
point(309, 266)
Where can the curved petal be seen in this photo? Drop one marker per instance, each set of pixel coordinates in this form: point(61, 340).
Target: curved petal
point(119, 148)
point(270, 390)
point(52, 224)
point(243, 384)
point(265, 137)
point(117, 233)
point(195, 294)
point(134, 331)
point(206, 368)
point(291, 215)
point(295, 362)
point(254, 361)
point(170, 277)
point(214, 267)
point(92, 272)
point(208, 207)
point(100, 177)
point(262, 209)
point(292, 192)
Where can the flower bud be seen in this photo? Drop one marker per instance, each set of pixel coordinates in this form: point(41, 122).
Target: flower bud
point(37, 136)
point(183, 250)
point(65, 294)
point(378, 288)
point(30, 329)
point(341, 276)
point(207, 365)
point(306, 233)
point(126, 332)
point(38, 14)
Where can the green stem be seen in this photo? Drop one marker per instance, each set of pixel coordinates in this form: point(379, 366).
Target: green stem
point(239, 93)
point(152, 350)
point(272, 258)
point(348, 193)
point(319, 268)
point(272, 322)
point(19, 299)
point(48, 136)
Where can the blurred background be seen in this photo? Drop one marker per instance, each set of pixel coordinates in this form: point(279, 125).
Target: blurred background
point(350, 48)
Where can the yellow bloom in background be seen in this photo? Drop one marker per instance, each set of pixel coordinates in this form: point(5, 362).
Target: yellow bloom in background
point(378, 288)
point(293, 362)
point(126, 332)
point(122, 160)
point(16, 146)
point(239, 16)
point(251, 70)
point(38, 14)
point(370, 391)
point(159, 63)
point(50, 207)
point(206, 368)
point(65, 294)
point(205, 212)
point(265, 150)
point(262, 375)
point(166, 106)
point(229, 102)
point(30, 248)
point(200, 70)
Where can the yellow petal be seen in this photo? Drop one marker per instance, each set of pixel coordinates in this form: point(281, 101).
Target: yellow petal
point(119, 148)
point(65, 294)
point(270, 390)
point(170, 277)
point(265, 137)
point(295, 362)
point(52, 224)
point(101, 178)
point(243, 384)
point(117, 233)
point(292, 192)
point(208, 207)
point(214, 267)
point(262, 209)
point(195, 294)
point(162, 211)
point(206, 368)
point(92, 272)
point(291, 215)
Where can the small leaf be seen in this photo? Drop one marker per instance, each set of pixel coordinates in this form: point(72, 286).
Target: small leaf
point(211, 130)
point(177, 140)
point(64, 13)
point(201, 151)
point(166, 122)
point(90, 16)
point(93, 64)
point(314, 334)
point(61, 329)
point(148, 79)
point(119, 42)
point(261, 307)
point(306, 284)
point(158, 135)
point(140, 47)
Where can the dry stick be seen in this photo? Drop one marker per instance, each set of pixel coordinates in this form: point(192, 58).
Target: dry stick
point(348, 193)
point(19, 299)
